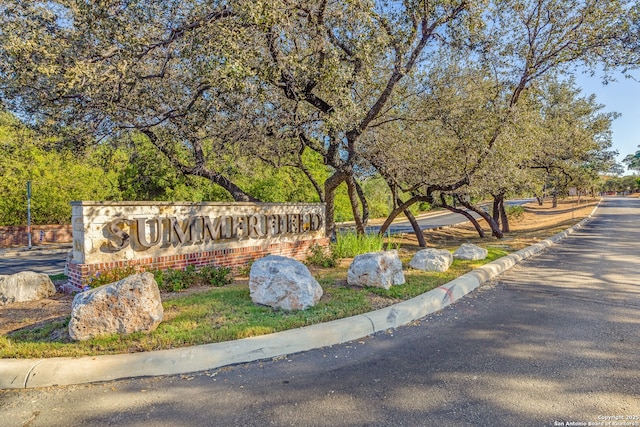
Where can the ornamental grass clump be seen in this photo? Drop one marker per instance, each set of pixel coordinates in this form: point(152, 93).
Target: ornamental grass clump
point(350, 244)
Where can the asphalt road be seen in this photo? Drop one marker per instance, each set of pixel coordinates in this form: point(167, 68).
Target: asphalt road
point(34, 260)
point(553, 341)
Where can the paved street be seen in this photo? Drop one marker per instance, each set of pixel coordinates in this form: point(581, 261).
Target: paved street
point(553, 341)
point(34, 260)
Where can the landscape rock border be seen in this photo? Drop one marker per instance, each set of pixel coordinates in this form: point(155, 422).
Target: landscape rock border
point(32, 373)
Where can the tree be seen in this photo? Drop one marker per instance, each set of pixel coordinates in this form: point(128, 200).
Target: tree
point(633, 161)
point(57, 177)
point(339, 66)
point(523, 43)
point(165, 69)
point(209, 82)
point(573, 137)
point(215, 86)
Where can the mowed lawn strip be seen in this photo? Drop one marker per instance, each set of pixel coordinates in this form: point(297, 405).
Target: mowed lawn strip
point(227, 313)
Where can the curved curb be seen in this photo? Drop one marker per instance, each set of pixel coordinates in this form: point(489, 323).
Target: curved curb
point(32, 373)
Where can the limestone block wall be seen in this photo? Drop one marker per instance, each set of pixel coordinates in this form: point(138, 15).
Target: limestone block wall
point(162, 235)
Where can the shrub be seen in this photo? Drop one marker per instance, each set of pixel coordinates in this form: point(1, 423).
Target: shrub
point(514, 212)
point(170, 280)
point(110, 276)
point(216, 276)
point(243, 270)
point(320, 258)
point(424, 206)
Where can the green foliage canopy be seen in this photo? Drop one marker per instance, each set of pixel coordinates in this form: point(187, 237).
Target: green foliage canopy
point(57, 177)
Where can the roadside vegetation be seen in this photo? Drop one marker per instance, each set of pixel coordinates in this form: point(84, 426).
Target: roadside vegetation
point(212, 314)
point(200, 310)
point(376, 109)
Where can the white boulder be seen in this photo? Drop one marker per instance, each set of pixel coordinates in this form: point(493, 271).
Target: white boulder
point(470, 252)
point(432, 260)
point(25, 286)
point(282, 282)
point(130, 305)
point(376, 269)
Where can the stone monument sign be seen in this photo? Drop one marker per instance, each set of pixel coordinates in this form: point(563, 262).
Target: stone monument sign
point(162, 235)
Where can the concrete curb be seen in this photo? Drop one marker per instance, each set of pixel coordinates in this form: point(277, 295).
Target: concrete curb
point(32, 373)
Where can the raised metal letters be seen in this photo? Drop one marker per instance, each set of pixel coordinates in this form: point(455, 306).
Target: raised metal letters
point(145, 233)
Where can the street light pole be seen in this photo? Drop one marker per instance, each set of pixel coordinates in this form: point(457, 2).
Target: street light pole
point(29, 213)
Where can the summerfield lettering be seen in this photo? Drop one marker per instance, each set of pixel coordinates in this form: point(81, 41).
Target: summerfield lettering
point(142, 233)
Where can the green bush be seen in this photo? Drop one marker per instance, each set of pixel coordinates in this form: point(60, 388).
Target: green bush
point(173, 280)
point(320, 258)
point(170, 280)
point(216, 276)
point(514, 212)
point(110, 276)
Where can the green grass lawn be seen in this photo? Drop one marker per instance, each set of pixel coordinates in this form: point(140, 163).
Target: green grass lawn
point(227, 313)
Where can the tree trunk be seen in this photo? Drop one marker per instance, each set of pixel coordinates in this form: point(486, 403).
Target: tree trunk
point(389, 220)
point(495, 230)
point(470, 217)
point(499, 212)
point(466, 214)
point(200, 169)
point(355, 207)
point(416, 228)
point(504, 217)
point(330, 186)
point(365, 204)
point(235, 191)
point(313, 181)
point(496, 207)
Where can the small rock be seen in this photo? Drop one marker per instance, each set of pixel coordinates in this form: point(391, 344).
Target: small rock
point(282, 282)
point(376, 269)
point(130, 305)
point(470, 252)
point(25, 286)
point(432, 260)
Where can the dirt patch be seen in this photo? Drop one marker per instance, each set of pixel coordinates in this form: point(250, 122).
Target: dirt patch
point(536, 223)
point(533, 225)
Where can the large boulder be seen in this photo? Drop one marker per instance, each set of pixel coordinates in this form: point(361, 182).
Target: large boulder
point(131, 305)
point(282, 282)
point(432, 260)
point(25, 286)
point(376, 269)
point(470, 252)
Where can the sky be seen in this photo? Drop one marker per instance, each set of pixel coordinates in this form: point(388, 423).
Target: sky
point(621, 96)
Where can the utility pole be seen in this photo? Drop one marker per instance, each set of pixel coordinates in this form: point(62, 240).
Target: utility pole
point(29, 213)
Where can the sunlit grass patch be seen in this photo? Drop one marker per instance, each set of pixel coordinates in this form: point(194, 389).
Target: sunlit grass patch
point(227, 313)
